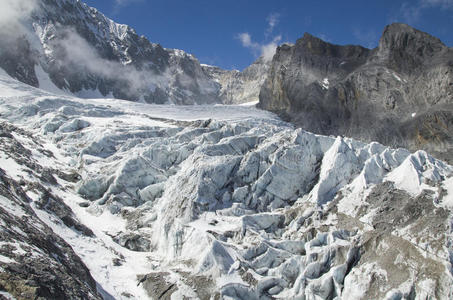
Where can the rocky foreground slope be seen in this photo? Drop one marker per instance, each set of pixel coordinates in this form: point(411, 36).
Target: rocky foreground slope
point(210, 202)
point(400, 93)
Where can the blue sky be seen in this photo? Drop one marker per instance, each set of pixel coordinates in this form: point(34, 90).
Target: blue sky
point(232, 34)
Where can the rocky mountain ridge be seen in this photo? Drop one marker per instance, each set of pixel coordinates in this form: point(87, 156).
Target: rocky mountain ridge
point(69, 47)
point(400, 93)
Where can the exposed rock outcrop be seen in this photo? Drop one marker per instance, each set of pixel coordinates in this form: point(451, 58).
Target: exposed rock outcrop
point(35, 263)
point(400, 93)
point(240, 87)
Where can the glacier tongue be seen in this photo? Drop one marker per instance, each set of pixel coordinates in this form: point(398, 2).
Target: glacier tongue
point(230, 201)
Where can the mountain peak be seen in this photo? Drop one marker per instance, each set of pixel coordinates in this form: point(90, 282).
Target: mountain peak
point(311, 46)
point(403, 40)
point(313, 43)
point(334, 89)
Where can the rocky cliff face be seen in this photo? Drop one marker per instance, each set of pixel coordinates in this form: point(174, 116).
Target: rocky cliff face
point(36, 263)
point(240, 87)
point(70, 46)
point(400, 93)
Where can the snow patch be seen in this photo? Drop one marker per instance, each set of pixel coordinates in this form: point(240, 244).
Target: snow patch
point(45, 83)
point(325, 83)
point(416, 171)
point(397, 77)
point(252, 103)
point(6, 260)
point(7, 295)
point(447, 199)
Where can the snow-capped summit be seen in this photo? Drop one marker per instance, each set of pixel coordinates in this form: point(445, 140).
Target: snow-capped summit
point(74, 48)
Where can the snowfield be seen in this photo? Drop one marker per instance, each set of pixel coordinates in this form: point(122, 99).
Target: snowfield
point(228, 201)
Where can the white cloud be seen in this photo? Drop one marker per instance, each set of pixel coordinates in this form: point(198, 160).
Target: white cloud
point(119, 4)
point(444, 4)
point(14, 12)
point(411, 12)
point(246, 40)
point(122, 3)
point(324, 37)
point(267, 50)
point(272, 21)
point(79, 52)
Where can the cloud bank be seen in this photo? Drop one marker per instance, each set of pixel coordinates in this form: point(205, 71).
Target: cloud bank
point(80, 53)
point(14, 12)
point(14, 23)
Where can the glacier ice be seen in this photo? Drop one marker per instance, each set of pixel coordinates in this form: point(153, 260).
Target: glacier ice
point(234, 202)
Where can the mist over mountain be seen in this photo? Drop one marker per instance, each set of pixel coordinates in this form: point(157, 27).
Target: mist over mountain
point(69, 46)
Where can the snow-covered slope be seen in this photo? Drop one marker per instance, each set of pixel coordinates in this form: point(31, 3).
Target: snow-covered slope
point(203, 202)
point(69, 47)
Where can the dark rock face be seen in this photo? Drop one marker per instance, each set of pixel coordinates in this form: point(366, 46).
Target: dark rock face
point(81, 50)
point(157, 286)
point(17, 58)
point(400, 93)
point(405, 49)
point(35, 262)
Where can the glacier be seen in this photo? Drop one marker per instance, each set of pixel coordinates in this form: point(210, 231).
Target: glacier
point(215, 201)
